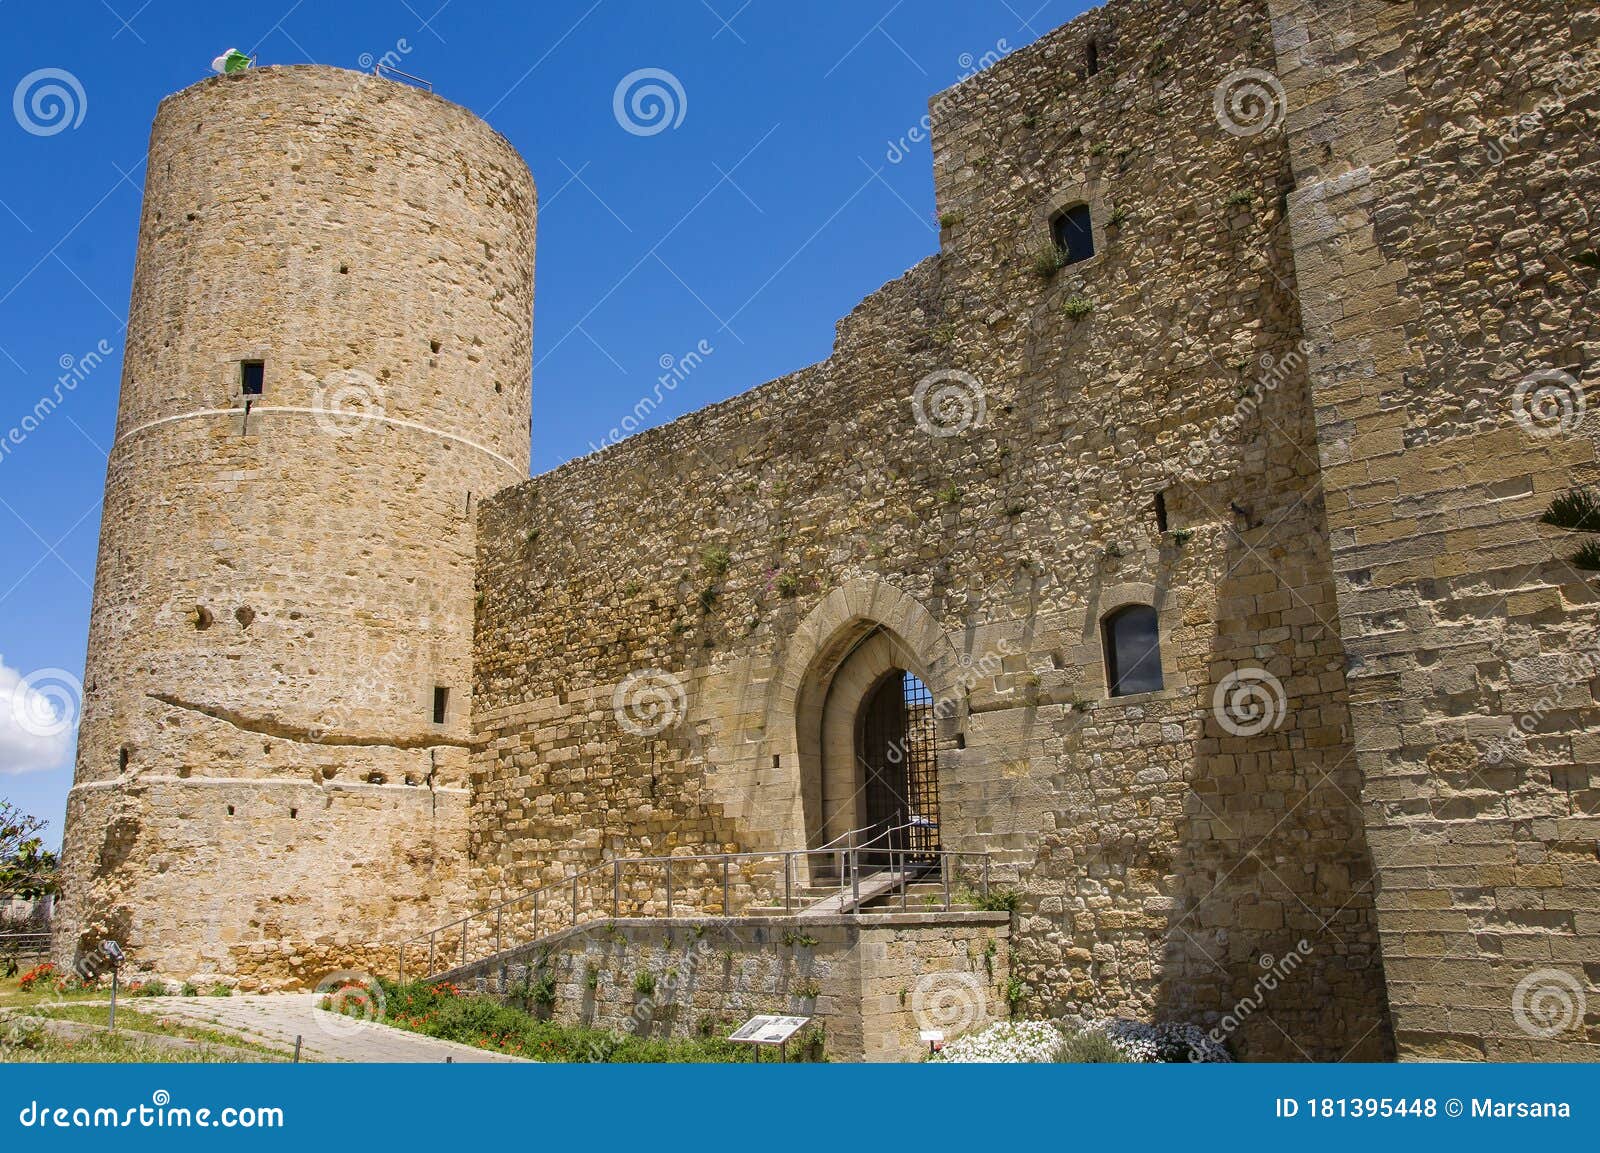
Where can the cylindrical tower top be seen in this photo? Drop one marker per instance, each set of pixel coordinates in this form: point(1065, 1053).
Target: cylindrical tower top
point(368, 244)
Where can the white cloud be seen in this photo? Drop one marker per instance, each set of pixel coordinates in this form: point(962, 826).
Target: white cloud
point(38, 718)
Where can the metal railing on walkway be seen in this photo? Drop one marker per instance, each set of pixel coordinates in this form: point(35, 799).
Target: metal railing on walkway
point(692, 885)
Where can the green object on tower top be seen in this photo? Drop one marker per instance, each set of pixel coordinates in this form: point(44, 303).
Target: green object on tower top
point(230, 62)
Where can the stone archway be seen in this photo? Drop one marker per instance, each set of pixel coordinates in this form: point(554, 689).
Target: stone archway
point(858, 635)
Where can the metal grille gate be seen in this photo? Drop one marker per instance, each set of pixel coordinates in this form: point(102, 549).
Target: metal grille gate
point(895, 746)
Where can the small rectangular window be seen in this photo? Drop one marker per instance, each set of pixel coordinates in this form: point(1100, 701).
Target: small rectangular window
point(1161, 512)
point(441, 703)
point(252, 376)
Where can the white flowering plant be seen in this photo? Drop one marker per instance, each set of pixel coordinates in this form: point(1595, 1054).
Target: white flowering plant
point(1024, 1042)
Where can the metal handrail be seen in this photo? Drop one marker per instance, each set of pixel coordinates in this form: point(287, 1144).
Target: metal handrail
point(385, 70)
point(726, 860)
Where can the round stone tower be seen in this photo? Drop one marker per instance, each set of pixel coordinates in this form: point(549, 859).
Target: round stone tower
point(328, 366)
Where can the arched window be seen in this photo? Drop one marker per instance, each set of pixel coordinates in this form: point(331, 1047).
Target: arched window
point(1133, 651)
point(1073, 231)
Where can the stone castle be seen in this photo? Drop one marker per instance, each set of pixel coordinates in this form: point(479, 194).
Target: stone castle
point(1170, 540)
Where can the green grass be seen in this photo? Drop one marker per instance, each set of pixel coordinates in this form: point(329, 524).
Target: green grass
point(483, 1022)
point(143, 1021)
point(104, 1048)
point(13, 996)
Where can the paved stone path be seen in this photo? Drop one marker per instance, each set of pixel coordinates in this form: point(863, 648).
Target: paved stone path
point(277, 1018)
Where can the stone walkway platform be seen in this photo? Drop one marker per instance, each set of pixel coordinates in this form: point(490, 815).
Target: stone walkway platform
point(276, 1019)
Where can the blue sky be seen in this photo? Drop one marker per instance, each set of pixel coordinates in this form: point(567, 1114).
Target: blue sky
point(752, 225)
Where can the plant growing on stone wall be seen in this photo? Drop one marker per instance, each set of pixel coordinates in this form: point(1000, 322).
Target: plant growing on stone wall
point(708, 598)
point(1016, 508)
point(542, 990)
point(1577, 511)
point(904, 993)
point(950, 494)
point(944, 335)
point(644, 982)
point(998, 900)
point(591, 978)
point(794, 940)
point(716, 560)
point(787, 584)
point(1015, 990)
point(221, 990)
point(1048, 260)
point(1238, 197)
point(1180, 536)
point(1119, 216)
point(949, 219)
point(1100, 148)
point(1077, 306)
point(808, 990)
point(989, 951)
point(1089, 1048)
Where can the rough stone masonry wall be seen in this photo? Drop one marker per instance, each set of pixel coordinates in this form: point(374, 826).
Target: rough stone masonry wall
point(1164, 860)
point(865, 981)
point(1446, 174)
point(261, 792)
